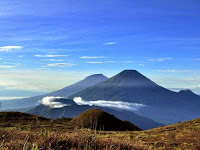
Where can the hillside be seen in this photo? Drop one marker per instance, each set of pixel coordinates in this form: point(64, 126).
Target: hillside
point(97, 119)
point(27, 133)
point(162, 104)
point(24, 121)
point(183, 135)
point(18, 116)
point(69, 90)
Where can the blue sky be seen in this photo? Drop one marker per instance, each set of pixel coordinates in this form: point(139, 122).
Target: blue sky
point(50, 44)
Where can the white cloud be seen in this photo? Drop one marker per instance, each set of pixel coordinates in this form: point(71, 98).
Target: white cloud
point(6, 66)
point(110, 43)
point(193, 87)
point(92, 57)
point(110, 104)
point(50, 101)
point(160, 59)
point(9, 48)
point(175, 71)
point(129, 61)
point(20, 56)
point(59, 60)
point(109, 61)
point(61, 65)
point(95, 62)
point(50, 56)
point(100, 62)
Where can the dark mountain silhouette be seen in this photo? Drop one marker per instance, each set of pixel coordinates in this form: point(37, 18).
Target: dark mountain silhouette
point(74, 110)
point(187, 93)
point(97, 119)
point(131, 86)
point(69, 90)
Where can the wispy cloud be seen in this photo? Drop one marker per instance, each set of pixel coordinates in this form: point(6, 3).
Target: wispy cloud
point(129, 61)
point(110, 61)
point(160, 59)
point(95, 62)
point(20, 56)
point(110, 43)
point(9, 48)
point(110, 104)
point(7, 66)
point(92, 57)
point(193, 87)
point(59, 60)
point(175, 71)
point(45, 80)
point(61, 65)
point(50, 56)
point(11, 84)
point(198, 59)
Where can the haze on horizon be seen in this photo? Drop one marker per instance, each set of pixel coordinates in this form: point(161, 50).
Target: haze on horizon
point(49, 45)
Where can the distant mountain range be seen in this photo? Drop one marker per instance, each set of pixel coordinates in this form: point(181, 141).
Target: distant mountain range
point(67, 91)
point(130, 86)
point(161, 104)
point(72, 110)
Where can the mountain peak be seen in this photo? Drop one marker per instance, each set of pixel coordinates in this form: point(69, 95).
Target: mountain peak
point(131, 75)
point(186, 91)
point(130, 71)
point(96, 75)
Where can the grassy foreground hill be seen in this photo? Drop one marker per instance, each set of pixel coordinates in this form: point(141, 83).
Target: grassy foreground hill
point(18, 134)
point(97, 119)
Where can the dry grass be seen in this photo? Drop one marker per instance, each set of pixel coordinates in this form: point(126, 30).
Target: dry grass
point(56, 135)
point(82, 139)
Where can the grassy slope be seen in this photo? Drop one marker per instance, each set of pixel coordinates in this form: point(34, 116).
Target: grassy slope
point(20, 133)
point(100, 120)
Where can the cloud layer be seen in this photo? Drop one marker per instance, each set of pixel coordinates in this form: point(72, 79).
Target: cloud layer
point(50, 101)
point(111, 104)
point(92, 57)
point(175, 71)
point(50, 56)
point(110, 43)
point(6, 66)
point(9, 48)
point(61, 65)
point(160, 59)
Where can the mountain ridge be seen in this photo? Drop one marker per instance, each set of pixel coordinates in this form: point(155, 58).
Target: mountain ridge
point(124, 83)
point(164, 106)
point(64, 92)
point(73, 110)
